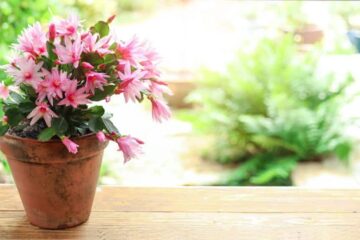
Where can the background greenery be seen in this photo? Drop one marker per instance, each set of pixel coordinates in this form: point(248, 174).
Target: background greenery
point(15, 15)
point(271, 109)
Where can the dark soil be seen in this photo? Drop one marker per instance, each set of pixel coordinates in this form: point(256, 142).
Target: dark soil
point(25, 130)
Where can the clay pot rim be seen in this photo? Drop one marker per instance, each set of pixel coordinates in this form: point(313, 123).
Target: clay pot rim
point(49, 141)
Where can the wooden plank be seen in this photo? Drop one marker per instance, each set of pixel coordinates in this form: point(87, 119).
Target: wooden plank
point(191, 226)
point(201, 213)
point(213, 199)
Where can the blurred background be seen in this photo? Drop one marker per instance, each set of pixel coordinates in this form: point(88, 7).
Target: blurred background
point(266, 93)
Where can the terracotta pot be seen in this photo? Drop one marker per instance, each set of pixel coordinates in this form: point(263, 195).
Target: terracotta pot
point(309, 34)
point(56, 187)
point(181, 90)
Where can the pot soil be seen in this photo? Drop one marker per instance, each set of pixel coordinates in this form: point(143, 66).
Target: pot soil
point(56, 187)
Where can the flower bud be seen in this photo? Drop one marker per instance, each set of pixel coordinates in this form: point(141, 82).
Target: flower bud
point(102, 66)
point(101, 136)
point(5, 120)
point(52, 32)
point(110, 19)
point(87, 66)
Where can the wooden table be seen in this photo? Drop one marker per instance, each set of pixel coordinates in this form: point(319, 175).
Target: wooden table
point(187, 213)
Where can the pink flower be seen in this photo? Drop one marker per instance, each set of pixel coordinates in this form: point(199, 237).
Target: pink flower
point(130, 52)
point(70, 53)
point(70, 145)
point(25, 70)
point(53, 86)
point(41, 111)
point(33, 41)
point(4, 91)
point(73, 96)
point(130, 146)
point(150, 69)
point(149, 64)
point(92, 44)
point(157, 88)
point(95, 80)
point(68, 27)
point(101, 136)
point(160, 110)
point(131, 85)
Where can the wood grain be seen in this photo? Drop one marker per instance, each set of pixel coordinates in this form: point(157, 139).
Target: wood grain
point(202, 213)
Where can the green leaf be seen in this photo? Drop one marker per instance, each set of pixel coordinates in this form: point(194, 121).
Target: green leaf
point(26, 107)
point(96, 124)
point(17, 98)
point(47, 62)
point(3, 129)
point(7, 80)
point(110, 59)
point(28, 90)
point(50, 49)
point(343, 151)
point(96, 111)
point(101, 27)
point(101, 95)
point(113, 46)
point(109, 126)
point(14, 116)
point(93, 58)
point(60, 125)
point(274, 169)
point(47, 134)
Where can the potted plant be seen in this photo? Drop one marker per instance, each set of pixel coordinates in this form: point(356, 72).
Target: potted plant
point(53, 133)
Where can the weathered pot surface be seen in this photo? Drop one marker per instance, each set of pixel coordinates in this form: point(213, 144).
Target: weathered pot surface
point(56, 187)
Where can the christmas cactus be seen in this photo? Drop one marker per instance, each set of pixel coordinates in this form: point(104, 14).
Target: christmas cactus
point(59, 74)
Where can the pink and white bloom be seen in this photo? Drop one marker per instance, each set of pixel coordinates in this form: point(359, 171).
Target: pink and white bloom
point(54, 84)
point(158, 88)
point(149, 64)
point(25, 70)
point(33, 41)
point(160, 110)
point(4, 91)
point(92, 43)
point(95, 80)
point(131, 84)
point(74, 96)
point(131, 52)
point(70, 53)
point(101, 136)
point(68, 27)
point(71, 146)
point(130, 146)
point(41, 111)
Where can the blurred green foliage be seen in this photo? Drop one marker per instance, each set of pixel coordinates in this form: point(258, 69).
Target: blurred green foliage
point(271, 109)
point(15, 15)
